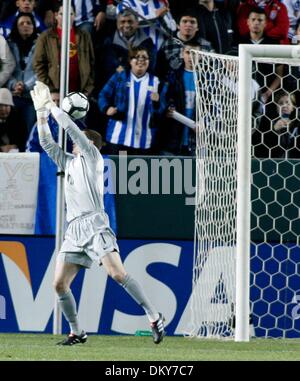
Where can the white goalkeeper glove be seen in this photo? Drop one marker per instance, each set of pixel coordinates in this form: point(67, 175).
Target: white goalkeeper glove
point(41, 98)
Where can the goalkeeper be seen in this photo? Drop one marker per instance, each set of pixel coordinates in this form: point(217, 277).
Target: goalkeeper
point(88, 237)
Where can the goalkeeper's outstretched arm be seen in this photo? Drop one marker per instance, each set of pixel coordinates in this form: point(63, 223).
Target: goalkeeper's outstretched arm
point(77, 136)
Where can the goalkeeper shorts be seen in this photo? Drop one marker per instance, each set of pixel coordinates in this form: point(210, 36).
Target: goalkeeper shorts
point(100, 244)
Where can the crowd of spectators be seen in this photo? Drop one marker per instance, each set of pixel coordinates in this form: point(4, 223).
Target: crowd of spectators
point(132, 59)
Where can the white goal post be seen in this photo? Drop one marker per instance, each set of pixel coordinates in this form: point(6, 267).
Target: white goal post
point(245, 280)
point(246, 54)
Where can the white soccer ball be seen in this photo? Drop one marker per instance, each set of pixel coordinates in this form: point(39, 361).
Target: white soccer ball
point(76, 105)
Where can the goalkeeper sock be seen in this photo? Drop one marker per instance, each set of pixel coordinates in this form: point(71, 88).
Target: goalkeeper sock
point(135, 291)
point(68, 306)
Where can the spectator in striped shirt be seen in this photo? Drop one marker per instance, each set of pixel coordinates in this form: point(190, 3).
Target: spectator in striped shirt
point(155, 18)
point(89, 14)
point(131, 99)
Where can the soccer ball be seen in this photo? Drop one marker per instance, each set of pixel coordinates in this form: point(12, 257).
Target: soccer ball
point(76, 105)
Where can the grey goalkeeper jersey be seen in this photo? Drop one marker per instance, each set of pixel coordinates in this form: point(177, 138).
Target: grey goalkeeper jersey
point(83, 173)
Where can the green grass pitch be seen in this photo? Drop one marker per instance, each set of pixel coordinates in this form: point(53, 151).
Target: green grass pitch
point(131, 348)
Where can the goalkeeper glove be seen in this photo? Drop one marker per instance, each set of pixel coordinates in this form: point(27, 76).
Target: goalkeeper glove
point(41, 98)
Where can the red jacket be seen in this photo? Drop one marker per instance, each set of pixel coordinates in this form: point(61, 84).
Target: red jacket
point(277, 24)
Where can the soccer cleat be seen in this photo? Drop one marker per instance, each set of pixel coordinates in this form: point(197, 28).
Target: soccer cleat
point(74, 339)
point(158, 329)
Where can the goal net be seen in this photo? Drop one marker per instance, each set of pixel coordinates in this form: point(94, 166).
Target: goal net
point(274, 303)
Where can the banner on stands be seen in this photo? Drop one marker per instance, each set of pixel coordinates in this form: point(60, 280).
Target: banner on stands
point(19, 174)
